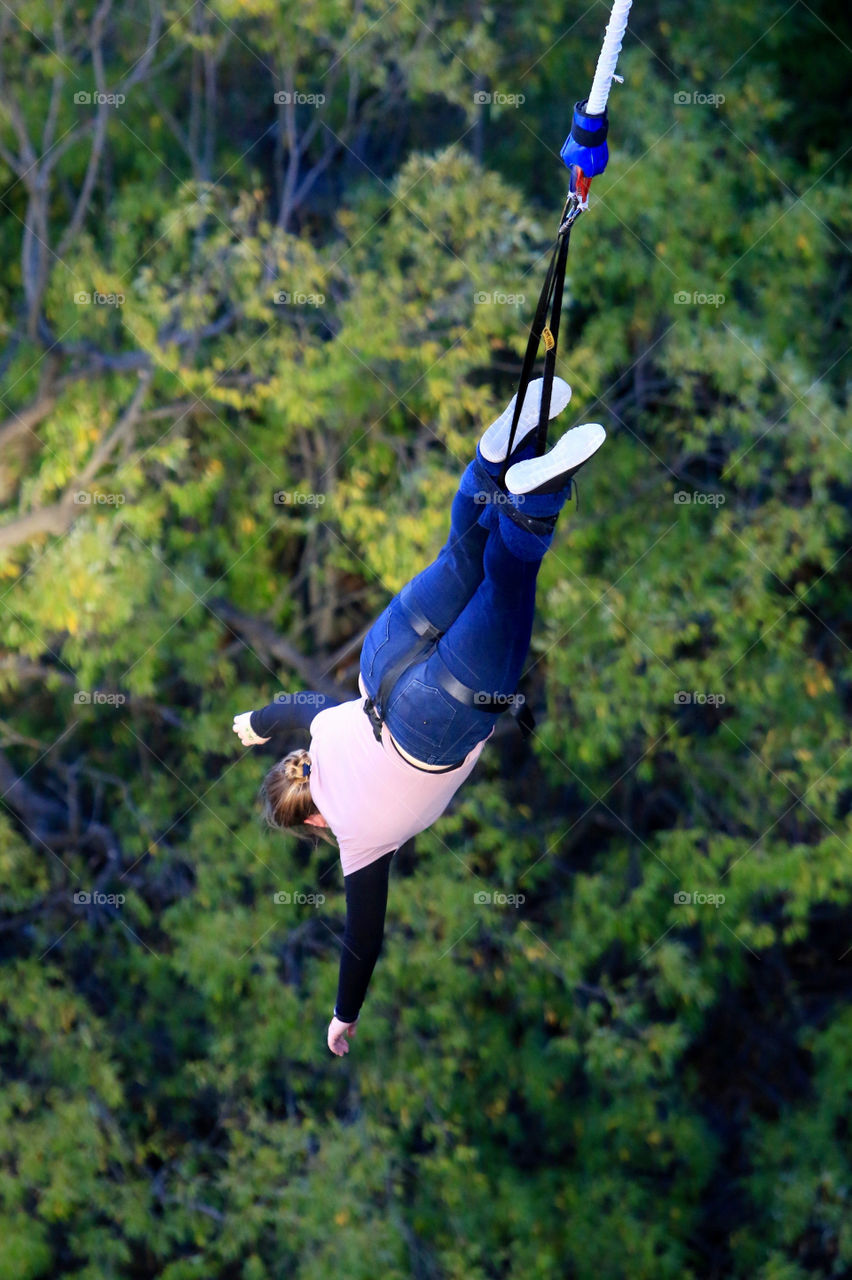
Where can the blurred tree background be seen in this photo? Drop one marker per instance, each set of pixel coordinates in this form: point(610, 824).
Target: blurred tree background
point(244, 244)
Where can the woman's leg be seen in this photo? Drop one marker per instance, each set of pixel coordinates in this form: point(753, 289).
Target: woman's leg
point(487, 644)
point(484, 648)
point(443, 588)
point(440, 592)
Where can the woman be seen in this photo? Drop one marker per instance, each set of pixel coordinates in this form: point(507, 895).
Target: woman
point(383, 767)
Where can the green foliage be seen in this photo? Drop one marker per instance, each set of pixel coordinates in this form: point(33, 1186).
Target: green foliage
point(605, 1079)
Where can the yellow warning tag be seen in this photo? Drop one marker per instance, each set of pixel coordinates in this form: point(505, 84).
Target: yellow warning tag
point(549, 340)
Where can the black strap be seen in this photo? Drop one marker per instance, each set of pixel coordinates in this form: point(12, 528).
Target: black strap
point(427, 635)
point(550, 299)
point(376, 707)
point(490, 705)
point(472, 697)
point(530, 354)
point(540, 525)
point(424, 628)
point(550, 354)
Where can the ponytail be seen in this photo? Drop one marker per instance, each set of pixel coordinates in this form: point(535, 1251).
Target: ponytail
point(285, 797)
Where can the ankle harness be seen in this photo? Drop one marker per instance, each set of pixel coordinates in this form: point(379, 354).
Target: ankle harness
point(493, 491)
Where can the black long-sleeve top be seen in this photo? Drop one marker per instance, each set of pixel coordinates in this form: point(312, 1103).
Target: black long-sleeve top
point(366, 902)
point(289, 712)
point(366, 889)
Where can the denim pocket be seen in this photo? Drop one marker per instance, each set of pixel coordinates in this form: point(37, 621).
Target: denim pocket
point(421, 717)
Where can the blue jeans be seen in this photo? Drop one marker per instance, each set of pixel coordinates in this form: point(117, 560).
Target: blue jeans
point(482, 598)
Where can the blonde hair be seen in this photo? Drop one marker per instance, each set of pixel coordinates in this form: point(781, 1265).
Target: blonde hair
point(286, 800)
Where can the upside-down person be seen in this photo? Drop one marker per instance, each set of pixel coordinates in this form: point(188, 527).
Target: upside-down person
point(384, 766)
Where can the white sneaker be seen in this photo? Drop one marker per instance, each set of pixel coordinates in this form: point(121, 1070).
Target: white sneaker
point(553, 470)
point(495, 440)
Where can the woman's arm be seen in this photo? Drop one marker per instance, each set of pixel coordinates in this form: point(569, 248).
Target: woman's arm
point(366, 903)
point(289, 712)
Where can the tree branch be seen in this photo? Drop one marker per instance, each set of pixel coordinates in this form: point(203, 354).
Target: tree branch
point(18, 424)
point(40, 814)
point(59, 516)
point(99, 139)
point(263, 639)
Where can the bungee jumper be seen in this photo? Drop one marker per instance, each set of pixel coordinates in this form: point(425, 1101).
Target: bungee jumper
point(447, 653)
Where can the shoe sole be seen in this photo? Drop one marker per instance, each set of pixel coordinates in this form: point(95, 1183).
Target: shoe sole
point(575, 448)
point(493, 444)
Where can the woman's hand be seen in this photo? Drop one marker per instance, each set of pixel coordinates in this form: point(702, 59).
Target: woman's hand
point(245, 733)
point(337, 1033)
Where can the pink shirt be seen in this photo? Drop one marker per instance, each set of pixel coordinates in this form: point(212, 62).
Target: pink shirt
point(371, 797)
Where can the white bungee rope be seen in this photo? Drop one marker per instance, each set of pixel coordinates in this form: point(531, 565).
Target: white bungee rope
point(608, 57)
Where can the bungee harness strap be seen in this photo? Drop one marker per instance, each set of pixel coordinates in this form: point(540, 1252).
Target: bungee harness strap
point(428, 636)
point(545, 326)
point(492, 492)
